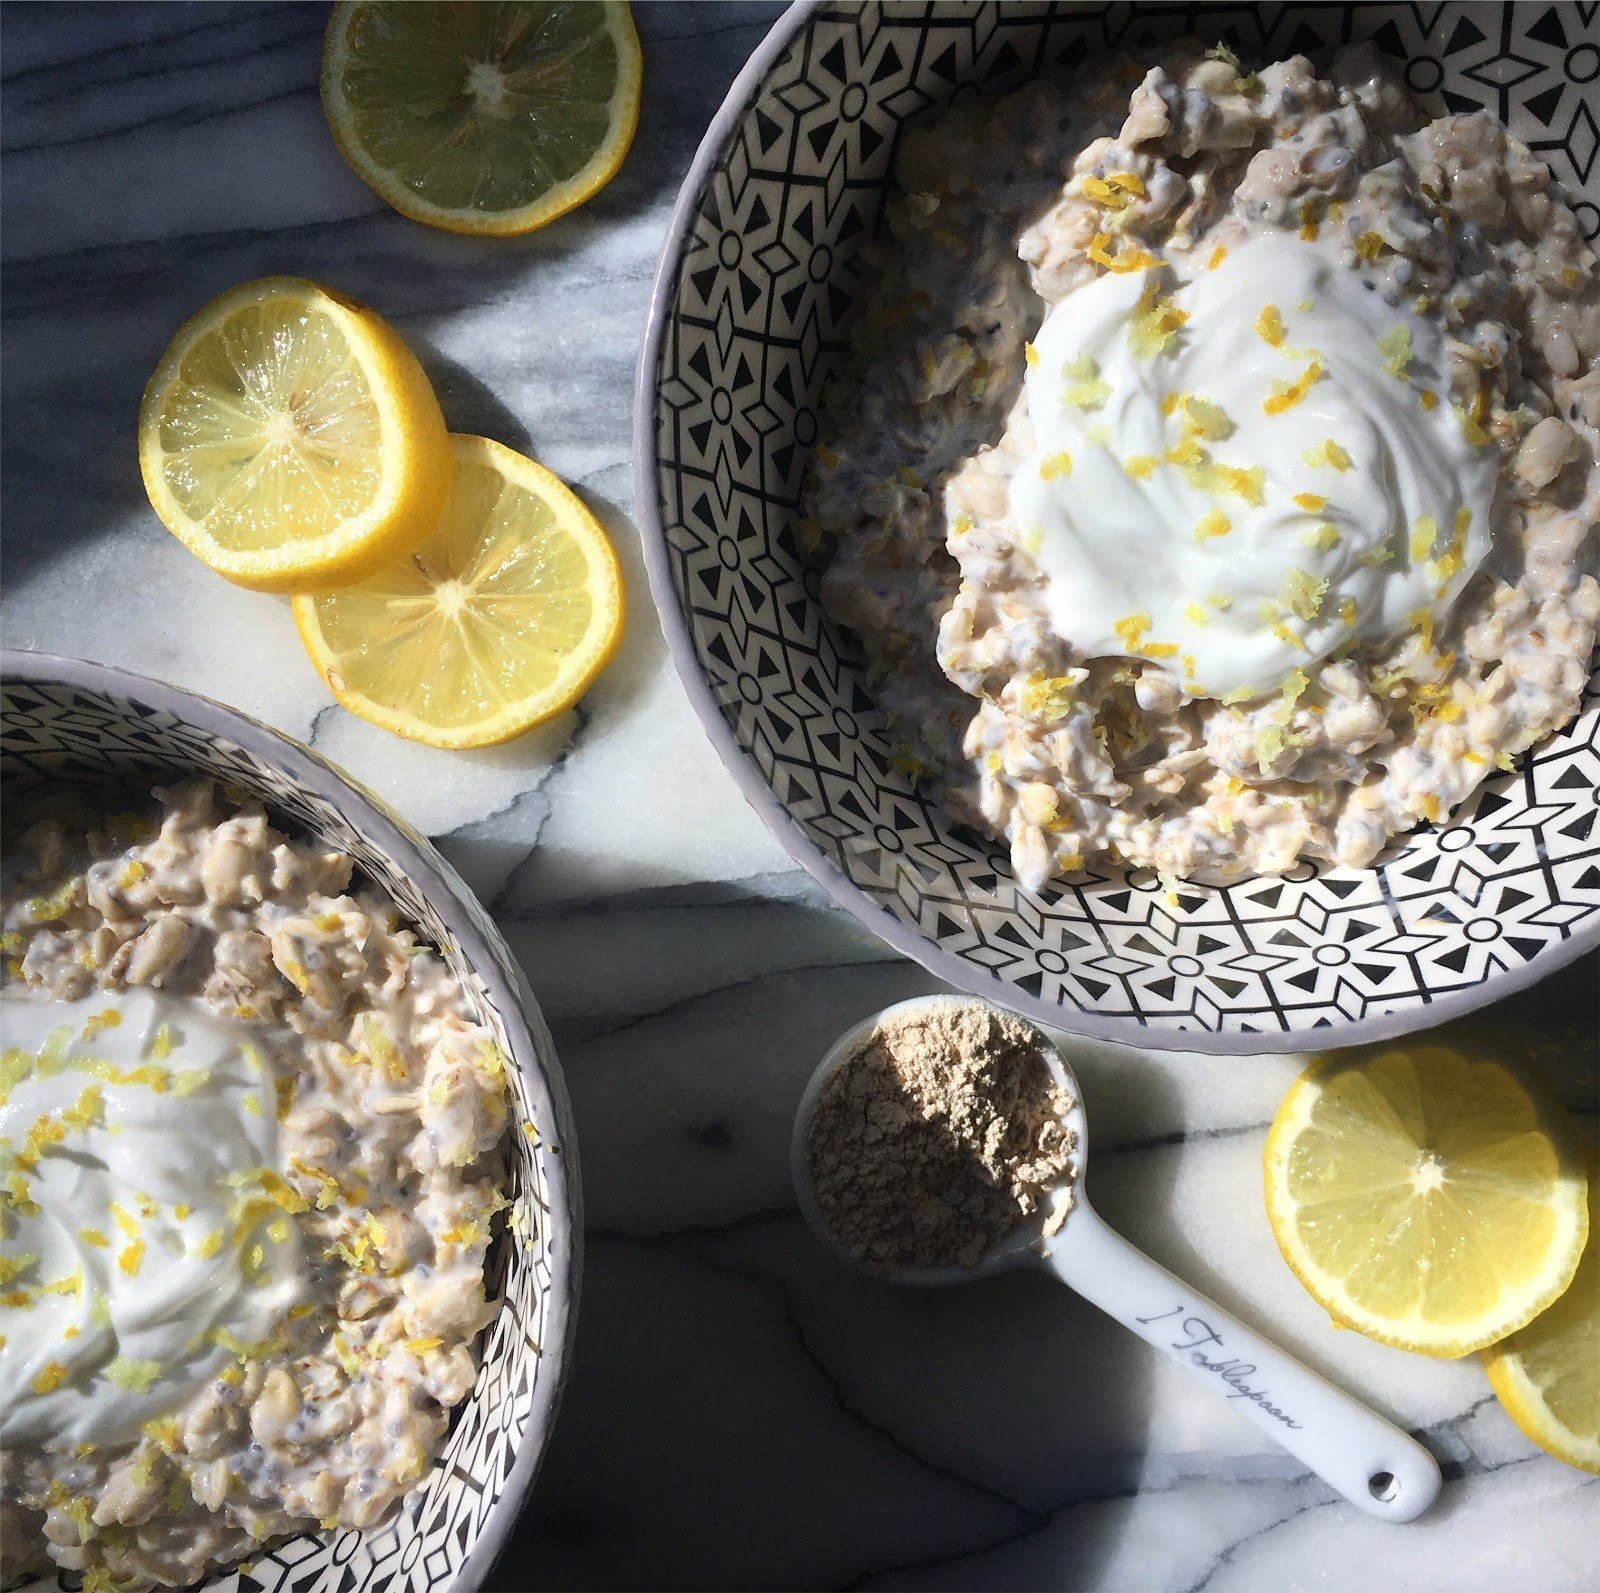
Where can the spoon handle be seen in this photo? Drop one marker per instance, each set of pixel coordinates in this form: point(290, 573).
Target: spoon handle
point(1369, 1460)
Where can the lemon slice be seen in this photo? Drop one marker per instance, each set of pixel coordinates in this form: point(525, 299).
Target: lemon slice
point(1547, 1375)
point(290, 439)
point(1424, 1198)
point(482, 118)
point(499, 621)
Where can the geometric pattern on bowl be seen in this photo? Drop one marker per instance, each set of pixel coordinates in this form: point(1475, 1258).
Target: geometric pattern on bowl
point(63, 720)
point(749, 312)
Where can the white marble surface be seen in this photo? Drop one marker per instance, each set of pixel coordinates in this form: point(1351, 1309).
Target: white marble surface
point(741, 1413)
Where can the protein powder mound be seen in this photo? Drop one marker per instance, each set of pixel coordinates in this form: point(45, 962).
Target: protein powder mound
point(936, 1136)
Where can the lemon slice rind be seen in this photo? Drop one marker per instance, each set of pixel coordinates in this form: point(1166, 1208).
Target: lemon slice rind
point(577, 669)
point(414, 476)
point(557, 200)
point(1525, 1398)
point(1520, 1301)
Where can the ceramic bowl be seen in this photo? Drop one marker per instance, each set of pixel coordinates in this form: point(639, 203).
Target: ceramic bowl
point(61, 719)
point(750, 310)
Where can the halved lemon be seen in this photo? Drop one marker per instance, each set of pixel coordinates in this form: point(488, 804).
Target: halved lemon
point(499, 621)
point(482, 118)
point(1547, 1375)
point(1423, 1197)
point(290, 439)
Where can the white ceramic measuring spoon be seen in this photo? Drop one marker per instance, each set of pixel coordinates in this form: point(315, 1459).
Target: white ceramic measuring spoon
point(1369, 1460)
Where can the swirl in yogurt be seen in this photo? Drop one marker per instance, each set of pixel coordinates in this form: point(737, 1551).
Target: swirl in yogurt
point(1243, 474)
point(143, 1241)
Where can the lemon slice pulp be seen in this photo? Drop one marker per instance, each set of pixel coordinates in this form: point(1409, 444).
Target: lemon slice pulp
point(499, 621)
point(1547, 1375)
point(482, 118)
point(289, 438)
point(1424, 1198)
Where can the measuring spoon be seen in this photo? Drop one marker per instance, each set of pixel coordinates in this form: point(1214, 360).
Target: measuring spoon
point(1367, 1459)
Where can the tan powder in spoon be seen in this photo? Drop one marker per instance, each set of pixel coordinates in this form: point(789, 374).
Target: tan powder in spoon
point(937, 1136)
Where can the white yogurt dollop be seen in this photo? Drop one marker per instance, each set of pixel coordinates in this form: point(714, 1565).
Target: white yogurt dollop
point(1285, 475)
point(138, 1245)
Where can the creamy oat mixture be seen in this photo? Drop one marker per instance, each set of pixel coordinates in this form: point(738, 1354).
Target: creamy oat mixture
point(248, 1172)
point(1213, 479)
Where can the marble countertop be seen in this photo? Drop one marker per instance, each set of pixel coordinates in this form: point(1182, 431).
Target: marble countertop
point(741, 1413)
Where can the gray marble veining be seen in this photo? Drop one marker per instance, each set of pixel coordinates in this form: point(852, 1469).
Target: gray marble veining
point(741, 1413)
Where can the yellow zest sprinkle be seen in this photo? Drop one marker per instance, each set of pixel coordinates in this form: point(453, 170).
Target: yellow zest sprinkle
point(1285, 395)
point(1113, 196)
point(284, 1089)
point(1030, 354)
point(1189, 665)
point(1269, 743)
point(961, 525)
point(1422, 535)
point(1308, 221)
point(423, 1345)
point(136, 1376)
point(1130, 631)
point(1047, 697)
point(1031, 538)
point(1430, 808)
point(1218, 255)
point(1428, 398)
point(187, 1080)
point(1395, 346)
point(1475, 435)
point(1169, 403)
point(1249, 485)
point(1208, 420)
point(1195, 614)
point(1129, 256)
point(12, 1267)
point(1129, 181)
point(1311, 502)
point(86, 1109)
point(181, 1211)
point(100, 1309)
point(109, 1019)
point(252, 1104)
point(1056, 466)
point(1421, 621)
point(46, 909)
point(1219, 601)
point(1347, 611)
point(1084, 388)
point(1306, 306)
point(93, 1236)
point(1269, 326)
point(48, 1378)
point(1153, 326)
point(70, 1332)
point(1303, 594)
point(209, 1245)
point(1327, 452)
point(131, 1258)
point(125, 1221)
point(1140, 466)
point(1214, 523)
point(1325, 538)
point(278, 1230)
point(1369, 246)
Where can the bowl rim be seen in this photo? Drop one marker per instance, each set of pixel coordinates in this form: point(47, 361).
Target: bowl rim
point(533, 1050)
point(1424, 1014)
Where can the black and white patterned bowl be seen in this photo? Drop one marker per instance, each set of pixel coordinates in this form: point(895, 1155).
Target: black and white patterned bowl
point(750, 310)
point(62, 719)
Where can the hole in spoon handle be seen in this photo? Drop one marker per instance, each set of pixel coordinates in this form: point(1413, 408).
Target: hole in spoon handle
point(1375, 1465)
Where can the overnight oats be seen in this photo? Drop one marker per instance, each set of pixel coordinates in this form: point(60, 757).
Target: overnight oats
point(1212, 480)
point(248, 1170)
